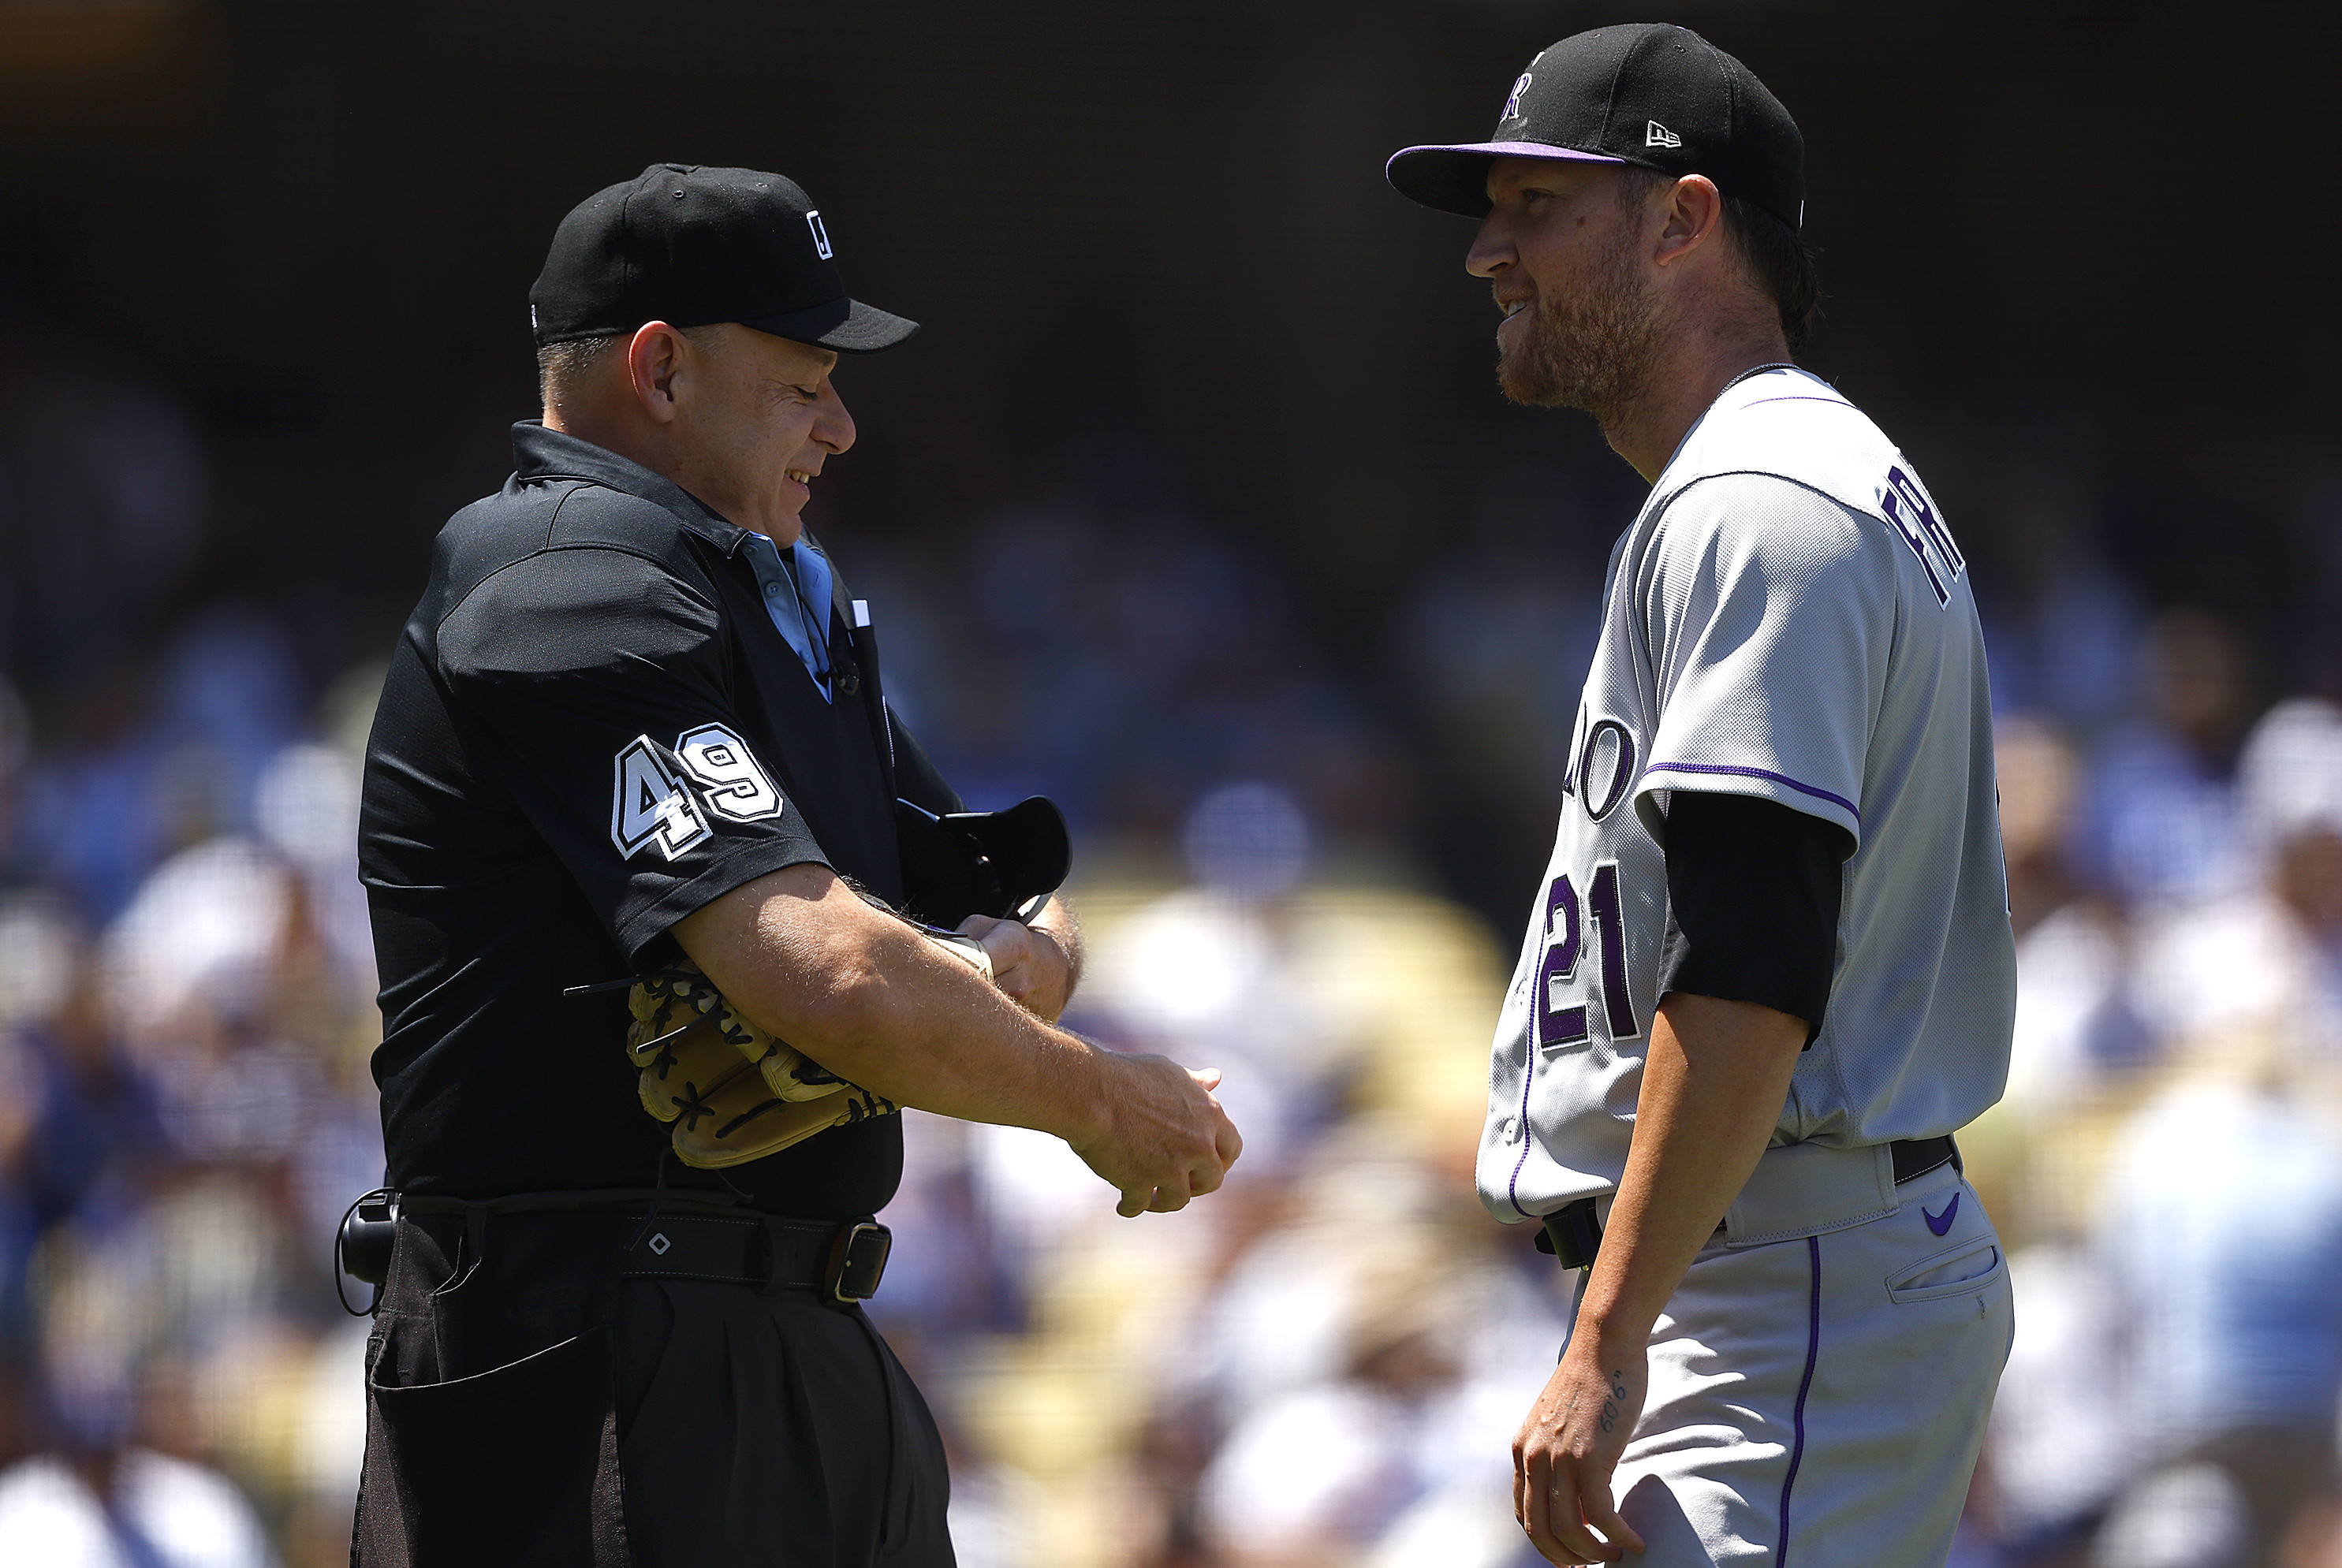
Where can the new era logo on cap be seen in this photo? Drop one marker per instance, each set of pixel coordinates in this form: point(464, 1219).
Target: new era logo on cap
point(820, 235)
point(1655, 97)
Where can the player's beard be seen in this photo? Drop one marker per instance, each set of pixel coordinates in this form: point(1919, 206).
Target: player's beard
point(1592, 347)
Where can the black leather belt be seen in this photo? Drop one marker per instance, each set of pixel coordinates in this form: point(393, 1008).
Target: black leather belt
point(666, 1236)
point(844, 1261)
point(1915, 1157)
point(1573, 1235)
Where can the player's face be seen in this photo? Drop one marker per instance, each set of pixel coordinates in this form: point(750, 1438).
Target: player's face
point(1560, 249)
point(764, 418)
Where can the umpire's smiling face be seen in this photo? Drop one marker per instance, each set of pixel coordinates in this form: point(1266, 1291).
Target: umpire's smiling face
point(755, 418)
point(740, 418)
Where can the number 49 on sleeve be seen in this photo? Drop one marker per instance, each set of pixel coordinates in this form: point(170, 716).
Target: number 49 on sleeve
point(653, 804)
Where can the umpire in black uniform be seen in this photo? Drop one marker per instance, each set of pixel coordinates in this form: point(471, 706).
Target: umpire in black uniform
point(634, 721)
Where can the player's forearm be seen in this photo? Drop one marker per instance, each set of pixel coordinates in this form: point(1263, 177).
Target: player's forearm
point(1714, 1083)
point(872, 1000)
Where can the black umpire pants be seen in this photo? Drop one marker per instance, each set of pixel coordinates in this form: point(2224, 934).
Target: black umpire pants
point(527, 1405)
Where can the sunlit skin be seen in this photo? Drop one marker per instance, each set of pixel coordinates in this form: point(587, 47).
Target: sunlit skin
point(1545, 237)
point(1714, 1080)
point(740, 418)
point(745, 420)
point(1641, 315)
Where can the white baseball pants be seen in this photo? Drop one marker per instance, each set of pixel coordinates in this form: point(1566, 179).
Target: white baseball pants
point(1818, 1401)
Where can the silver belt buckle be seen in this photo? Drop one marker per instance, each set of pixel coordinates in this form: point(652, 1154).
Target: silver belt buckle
point(857, 1261)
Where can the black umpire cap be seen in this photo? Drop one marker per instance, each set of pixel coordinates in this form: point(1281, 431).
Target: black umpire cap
point(691, 246)
point(1645, 92)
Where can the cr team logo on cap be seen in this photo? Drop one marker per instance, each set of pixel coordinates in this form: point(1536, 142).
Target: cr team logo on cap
point(1513, 101)
point(820, 235)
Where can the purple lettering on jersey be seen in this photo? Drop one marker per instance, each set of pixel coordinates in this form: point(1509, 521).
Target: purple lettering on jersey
point(1891, 502)
point(1557, 1025)
point(1622, 768)
point(1564, 938)
point(1610, 924)
point(1917, 499)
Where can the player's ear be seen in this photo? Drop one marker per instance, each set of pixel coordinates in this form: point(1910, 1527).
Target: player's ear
point(655, 358)
point(1694, 208)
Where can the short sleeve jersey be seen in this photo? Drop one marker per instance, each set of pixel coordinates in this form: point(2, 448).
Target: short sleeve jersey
point(1789, 618)
point(591, 728)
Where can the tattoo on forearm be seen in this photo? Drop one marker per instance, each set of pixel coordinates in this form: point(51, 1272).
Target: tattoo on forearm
point(1617, 1400)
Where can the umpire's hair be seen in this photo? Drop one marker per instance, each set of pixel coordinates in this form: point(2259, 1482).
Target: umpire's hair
point(561, 366)
point(1779, 263)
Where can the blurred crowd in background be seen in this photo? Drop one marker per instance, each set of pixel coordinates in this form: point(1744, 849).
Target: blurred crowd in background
point(1324, 1362)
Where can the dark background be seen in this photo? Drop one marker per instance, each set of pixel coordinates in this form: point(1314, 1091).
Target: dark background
point(2079, 259)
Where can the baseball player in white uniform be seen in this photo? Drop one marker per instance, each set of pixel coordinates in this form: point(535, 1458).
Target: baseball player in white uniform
point(1770, 971)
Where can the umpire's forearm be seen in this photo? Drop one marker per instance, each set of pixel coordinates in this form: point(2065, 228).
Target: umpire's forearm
point(872, 1000)
point(1714, 1083)
point(1064, 927)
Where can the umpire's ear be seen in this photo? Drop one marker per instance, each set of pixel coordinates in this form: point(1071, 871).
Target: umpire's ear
point(658, 357)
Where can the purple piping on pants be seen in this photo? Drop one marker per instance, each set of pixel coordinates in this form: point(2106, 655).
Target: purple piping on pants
point(1513, 1187)
point(1813, 1351)
point(1756, 773)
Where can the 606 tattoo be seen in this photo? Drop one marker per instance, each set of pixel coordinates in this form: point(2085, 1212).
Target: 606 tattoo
point(1617, 1400)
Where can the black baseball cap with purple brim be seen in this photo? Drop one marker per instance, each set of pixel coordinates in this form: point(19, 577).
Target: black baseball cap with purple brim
point(1645, 92)
point(692, 245)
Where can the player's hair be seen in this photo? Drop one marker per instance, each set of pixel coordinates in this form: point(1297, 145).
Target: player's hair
point(1779, 263)
point(562, 365)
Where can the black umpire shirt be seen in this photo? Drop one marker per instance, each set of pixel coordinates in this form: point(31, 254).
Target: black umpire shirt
point(590, 729)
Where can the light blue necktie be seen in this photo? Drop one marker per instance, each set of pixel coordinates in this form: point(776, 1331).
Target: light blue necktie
point(797, 602)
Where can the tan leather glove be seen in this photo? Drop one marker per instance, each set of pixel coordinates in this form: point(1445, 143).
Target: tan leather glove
point(732, 1092)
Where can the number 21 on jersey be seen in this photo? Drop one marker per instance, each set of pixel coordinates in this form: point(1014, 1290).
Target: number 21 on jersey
point(1559, 1021)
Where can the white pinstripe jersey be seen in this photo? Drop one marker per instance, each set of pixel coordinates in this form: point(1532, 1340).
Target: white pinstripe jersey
point(1788, 618)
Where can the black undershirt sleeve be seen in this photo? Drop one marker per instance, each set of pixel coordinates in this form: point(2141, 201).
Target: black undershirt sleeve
point(1753, 892)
